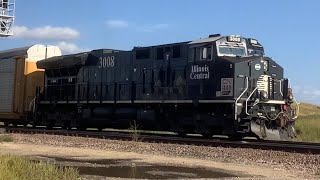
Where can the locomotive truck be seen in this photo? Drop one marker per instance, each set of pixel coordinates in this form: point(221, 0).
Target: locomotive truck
point(220, 85)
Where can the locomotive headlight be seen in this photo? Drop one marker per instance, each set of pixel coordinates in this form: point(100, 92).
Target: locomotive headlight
point(263, 95)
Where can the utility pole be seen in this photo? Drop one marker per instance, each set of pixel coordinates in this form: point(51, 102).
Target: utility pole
point(7, 8)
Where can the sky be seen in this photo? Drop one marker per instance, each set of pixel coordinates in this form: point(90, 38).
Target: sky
point(288, 29)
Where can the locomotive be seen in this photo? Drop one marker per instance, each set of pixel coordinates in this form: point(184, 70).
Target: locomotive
point(220, 85)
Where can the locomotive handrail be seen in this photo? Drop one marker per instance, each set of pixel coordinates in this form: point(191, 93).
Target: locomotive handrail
point(248, 100)
point(280, 81)
point(297, 103)
point(32, 105)
point(298, 108)
point(244, 91)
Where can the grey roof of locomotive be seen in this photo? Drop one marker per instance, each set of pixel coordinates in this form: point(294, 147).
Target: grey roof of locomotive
point(205, 40)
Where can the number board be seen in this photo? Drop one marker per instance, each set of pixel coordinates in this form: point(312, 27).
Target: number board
point(226, 86)
point(234, 38)
point(106, 62)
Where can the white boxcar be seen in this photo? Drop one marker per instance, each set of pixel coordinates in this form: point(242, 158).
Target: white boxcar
point(19, 77)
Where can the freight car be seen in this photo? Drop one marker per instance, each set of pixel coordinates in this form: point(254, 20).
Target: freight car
point(207, 86)
point(19, 78)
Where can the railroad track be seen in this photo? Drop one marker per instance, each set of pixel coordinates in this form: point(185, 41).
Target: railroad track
point(287, 146)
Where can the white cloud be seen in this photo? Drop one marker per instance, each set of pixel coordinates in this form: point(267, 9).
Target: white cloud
point(307, 94)
point(313, 93)
point(70, 48)
point(117, 24)
point(45, 33)
point(145, 28)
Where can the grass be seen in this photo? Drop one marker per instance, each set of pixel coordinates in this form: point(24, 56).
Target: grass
point(134, 131)
point(6, 138)
point(309, 109)
point(14, 167)
point(308, 123)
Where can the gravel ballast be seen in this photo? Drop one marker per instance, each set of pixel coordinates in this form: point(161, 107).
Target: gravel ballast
point(276, 159)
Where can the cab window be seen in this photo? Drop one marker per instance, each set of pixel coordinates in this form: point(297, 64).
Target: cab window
point(206, 53)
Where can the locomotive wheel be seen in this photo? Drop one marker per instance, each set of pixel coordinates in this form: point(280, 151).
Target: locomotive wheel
point(66, 126)
point(15, 124)
point(50, 126)
point(181, 134)
point(82, 128)
point(235, 137)
point(207, 135)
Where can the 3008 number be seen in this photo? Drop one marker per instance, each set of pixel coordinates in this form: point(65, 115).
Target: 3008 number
point(234, 39)
point(106, 62)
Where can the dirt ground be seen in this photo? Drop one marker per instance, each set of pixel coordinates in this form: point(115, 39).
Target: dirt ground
point(86, 155)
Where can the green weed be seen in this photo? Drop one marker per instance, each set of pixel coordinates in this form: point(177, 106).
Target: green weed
point(6, 138)
point(14, 167)
point(308, 123)
point(135, 131)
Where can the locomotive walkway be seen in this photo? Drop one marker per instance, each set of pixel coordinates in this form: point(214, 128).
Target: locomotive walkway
point(287, 146)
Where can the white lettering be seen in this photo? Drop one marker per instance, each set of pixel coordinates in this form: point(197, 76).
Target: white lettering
point(199, 72)
point(226, 86)
point(234, 39)
point(106, 62)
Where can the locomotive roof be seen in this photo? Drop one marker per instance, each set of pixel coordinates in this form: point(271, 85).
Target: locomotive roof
point(65, 60)
point(71, 59)
point(161, 45)
point(205, 40)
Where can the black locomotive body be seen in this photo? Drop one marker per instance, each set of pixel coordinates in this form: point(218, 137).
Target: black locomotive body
point(208, 86)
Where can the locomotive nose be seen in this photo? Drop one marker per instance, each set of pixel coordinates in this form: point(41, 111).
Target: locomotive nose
point(269, 95)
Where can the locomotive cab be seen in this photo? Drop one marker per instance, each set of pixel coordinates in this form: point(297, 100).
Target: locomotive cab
point(217, 46)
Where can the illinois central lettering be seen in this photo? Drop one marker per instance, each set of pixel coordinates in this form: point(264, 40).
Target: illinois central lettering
point(200, 72)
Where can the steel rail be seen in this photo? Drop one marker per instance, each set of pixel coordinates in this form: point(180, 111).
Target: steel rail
point(286, 146)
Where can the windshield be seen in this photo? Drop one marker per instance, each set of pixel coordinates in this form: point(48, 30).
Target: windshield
point(255, 52)
point(232, 51)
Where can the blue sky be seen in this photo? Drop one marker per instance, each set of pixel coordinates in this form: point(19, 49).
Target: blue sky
point(288, 29)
